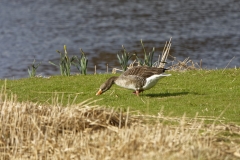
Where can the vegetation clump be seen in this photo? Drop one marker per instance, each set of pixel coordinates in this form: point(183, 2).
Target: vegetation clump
point(32, 70)
point(66, 62)
point(81, 63)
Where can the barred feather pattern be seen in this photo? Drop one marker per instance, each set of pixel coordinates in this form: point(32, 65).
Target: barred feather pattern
point(144, 71)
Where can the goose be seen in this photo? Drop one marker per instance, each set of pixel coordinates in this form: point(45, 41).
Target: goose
point(137, 78)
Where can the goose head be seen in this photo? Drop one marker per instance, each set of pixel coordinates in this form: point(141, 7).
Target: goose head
point(107, 85)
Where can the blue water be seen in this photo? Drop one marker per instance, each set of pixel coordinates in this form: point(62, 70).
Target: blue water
point(207, 30)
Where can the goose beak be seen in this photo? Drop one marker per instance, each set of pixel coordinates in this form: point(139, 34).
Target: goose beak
point(99, 92)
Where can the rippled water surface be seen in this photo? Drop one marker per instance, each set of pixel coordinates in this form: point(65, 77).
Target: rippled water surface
point(207, 30)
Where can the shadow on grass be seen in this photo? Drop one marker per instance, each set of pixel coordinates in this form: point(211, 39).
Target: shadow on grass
point(166, 94)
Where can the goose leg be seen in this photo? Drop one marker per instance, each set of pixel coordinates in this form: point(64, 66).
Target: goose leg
point(137, 92)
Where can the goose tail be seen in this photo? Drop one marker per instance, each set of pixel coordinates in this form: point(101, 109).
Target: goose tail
point(165, 75)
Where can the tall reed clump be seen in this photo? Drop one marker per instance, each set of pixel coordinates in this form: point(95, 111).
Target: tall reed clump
point(124, 59)
point(148, 58)
point(65, 62)
point(32, 70)
point(165, 54)
point(81, 63)
point(84, 131)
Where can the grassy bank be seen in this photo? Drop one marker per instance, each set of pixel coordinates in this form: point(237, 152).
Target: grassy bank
point(36, 126)
point(209, 93)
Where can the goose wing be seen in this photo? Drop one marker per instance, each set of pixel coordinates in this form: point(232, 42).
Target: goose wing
point(143, 71)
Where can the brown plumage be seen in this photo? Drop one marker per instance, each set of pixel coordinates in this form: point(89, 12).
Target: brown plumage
point(138, 78)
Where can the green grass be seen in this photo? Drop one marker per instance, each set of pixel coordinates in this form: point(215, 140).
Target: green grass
point(209, 93)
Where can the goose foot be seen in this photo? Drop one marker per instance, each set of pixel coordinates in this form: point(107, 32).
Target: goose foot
point(137, 92)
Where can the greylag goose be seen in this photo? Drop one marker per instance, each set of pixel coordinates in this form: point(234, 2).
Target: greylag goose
point(138, 78)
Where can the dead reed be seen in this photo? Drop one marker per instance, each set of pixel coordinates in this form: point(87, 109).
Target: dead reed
point(186, 64)
point(84, 131)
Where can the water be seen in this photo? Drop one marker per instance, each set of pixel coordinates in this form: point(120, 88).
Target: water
point(207, 30)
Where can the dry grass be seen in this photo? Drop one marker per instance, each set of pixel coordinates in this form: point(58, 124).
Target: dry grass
point(177, 65)
point(186, 64)
point(34, 131)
